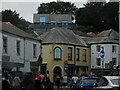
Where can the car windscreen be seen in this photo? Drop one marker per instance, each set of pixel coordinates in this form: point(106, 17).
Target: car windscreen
point(90, 80)
point(115, 81)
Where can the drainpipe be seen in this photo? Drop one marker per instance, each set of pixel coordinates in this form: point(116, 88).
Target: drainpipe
point(40, 57)
point(24, 55)
point(119, 43)
point(75, 59)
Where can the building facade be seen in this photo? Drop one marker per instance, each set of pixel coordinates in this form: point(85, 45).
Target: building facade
point(20, 50)
point(0, 48)
point(107, 41)
point(45, 22)
point(64, 53)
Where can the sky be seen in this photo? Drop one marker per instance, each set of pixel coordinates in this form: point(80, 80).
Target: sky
point(26, 8)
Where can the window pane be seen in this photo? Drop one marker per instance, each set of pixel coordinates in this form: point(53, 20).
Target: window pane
point(84, 55)
point(77, 54)
point(57, 53)
point(42, 19)
point(4, 44)
point(53, 22)
point(114, 61)
point(65, 22)
point(18, 47)
point(34, 50)
point(98, 48)
point(69, 53)
point(98, 61)
point(113, 48)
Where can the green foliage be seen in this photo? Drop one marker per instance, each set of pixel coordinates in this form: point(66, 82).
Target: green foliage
point(100, 15)
point(14, 18)
point(85, 28)
point(57, 8)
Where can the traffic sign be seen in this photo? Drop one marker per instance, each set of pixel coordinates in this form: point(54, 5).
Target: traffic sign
point(102, 54)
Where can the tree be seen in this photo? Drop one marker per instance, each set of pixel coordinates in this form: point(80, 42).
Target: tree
point(85, 28)
point(10, 16)
point(57, 8)
point(111, 15)
point(100, 15)
point(14, 18)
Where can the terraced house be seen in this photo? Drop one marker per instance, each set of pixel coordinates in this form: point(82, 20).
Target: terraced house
point(108, 41)
point(20, 51)
point(64, 53)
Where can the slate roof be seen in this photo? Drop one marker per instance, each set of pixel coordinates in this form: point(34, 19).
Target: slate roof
point(91, 34)
point(80, 33)
point(9, 28)
point(61, 36)
point(106, 36)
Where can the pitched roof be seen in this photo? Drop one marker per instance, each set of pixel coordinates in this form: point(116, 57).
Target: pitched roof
point(91, 34)
point(109, 33)
point(9, 28)
point(58, 35)
point(80, 33)
point(106, 36)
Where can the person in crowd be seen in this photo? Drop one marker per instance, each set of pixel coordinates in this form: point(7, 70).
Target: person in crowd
point(38, 82)
point(57, 81)
point(47, 83)
point(6, 83)
point(65, 81)
point(75, 78)
point(16, 83)
point(27, 82)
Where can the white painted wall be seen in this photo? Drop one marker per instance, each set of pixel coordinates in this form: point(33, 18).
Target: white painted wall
point(12, 52)
point(29, 52)
point(26, 50)
point(108, 54)
point(0, 49)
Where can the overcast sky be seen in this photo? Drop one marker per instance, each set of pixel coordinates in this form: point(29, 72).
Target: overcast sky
point(26, 8)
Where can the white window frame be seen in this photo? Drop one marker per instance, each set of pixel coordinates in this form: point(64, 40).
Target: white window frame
point(77, 54)
point(18, 47)
point(64, 22)
point(53, 22)
point(5, 45)
point(57, 53)
point(114, 48)
point(98, 62)
point(69, 53)
point(84, 55)
point(34, 50)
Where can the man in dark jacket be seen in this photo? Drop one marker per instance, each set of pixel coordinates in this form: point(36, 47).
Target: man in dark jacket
point(5, 83)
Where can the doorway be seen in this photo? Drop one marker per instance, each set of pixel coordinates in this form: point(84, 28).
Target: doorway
point(57, 71)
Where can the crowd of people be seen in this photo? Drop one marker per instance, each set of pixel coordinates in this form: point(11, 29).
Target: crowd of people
point(30, 81)
point(27, 82)
point(34, 82)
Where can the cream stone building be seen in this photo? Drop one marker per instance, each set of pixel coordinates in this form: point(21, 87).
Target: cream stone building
point(64, 53)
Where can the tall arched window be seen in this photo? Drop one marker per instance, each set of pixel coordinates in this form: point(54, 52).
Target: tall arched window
point(57, 53)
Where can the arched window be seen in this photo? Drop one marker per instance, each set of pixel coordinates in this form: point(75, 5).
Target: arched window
point(57, 53)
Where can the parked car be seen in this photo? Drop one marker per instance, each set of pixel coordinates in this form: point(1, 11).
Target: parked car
point(108, 83)
point(85, 83)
